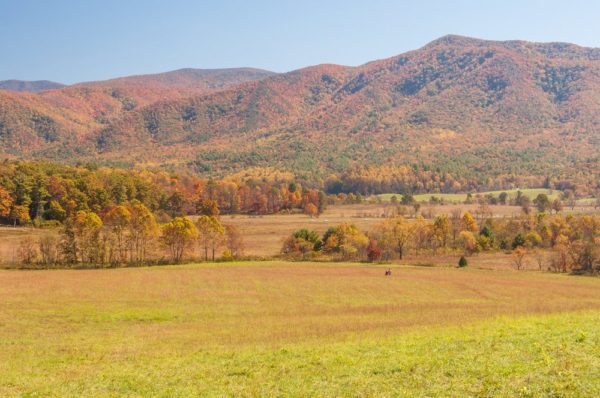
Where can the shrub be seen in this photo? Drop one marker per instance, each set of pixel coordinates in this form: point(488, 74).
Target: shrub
point(373, 251)
point(227, 255)
point(462, 262)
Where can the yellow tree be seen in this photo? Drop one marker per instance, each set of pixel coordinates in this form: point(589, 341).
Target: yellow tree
point(19, 214)
point(468, 242)
point(441, 230)
point(383, 233)
point(87, 226)
point(347, 240)
point(468, 223)
point(211, 233)
point(6, 202)
point(399, 232)
point(422, 233)
point(142, 231)
point(117, 221)
point(177, 235)
point(311, 209)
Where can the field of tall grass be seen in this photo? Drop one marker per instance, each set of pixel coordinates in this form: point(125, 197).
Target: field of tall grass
point(289, 329)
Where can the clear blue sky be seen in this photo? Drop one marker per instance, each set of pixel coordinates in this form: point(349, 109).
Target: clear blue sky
point(78, 40)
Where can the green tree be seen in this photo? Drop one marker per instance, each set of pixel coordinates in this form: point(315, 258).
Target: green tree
point(55, 211)
point(518, 241)
point(542, 203)
point(407, 199)
point(502, 198)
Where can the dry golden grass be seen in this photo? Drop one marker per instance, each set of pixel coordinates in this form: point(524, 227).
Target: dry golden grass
point(11, 238)
point(274, 301)
point(285, 329)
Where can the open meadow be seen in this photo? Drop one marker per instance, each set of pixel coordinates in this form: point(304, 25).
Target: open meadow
point(303, 199)
point(289, 329)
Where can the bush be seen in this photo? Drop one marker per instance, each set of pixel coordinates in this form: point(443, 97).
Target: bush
point(49, 224)
point(462, 262)
point(227, 256)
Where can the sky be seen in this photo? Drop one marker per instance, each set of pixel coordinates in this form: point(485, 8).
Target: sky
point(82, 40)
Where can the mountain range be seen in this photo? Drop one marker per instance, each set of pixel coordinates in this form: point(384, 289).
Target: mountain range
point(458, 105)
point(29, 86)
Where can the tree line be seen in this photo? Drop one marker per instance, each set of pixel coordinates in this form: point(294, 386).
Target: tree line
point(129, 234)
point(41, 193)
point(555, 242)
point(422, 178)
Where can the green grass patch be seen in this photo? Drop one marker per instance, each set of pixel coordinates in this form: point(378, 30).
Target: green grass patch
point(536, 356)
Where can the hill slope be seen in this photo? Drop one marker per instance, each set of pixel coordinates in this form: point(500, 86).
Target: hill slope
point(459, 106)
point(457, 103)
point(56, 120)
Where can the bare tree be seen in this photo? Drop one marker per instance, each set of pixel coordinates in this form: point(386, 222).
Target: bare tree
point(48, 248)
point(518, 257)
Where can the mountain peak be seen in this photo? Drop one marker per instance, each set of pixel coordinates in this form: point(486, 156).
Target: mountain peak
point(452, 39)
point(546, 49)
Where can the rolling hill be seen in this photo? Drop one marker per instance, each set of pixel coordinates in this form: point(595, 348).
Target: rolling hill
point(57, 120)
point(457, 106)
point(188, 78)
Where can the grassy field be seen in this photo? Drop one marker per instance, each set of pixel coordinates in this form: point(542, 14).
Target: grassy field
point(11, 238)
point(461, 197)
point(284, 329)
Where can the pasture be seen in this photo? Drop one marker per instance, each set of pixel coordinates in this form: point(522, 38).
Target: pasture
point(461, 197)
point(285, 329)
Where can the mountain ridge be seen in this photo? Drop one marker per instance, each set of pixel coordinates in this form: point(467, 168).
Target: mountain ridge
point(31, 86)
point(183, 77)
point(464, 105)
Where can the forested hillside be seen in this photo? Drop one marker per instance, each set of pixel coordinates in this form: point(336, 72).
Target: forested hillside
point(458, 114)
point(56, 123)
